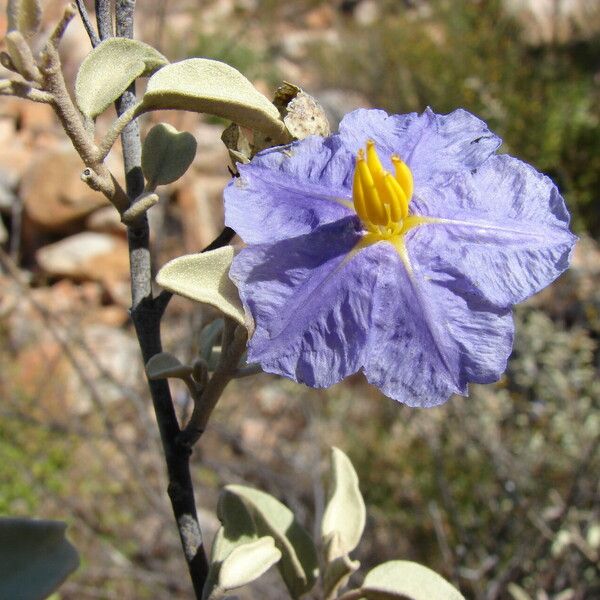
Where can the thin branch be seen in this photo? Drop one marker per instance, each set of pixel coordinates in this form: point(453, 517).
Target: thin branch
point(225, 371)
point(116, 129)
point(74, 127)
point(146, 313)
point(68, 15)
point(26, 64)
point(139, 208)
point(103, 19)
point(222, 240)
point(87, 23)
point(21, 89)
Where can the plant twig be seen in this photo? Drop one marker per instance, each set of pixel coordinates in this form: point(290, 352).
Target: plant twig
point(233, 348)
point(117, 128)
point(74, 127)
point(103, 19)
point(87, 23)
point(221, 240)
point(22, 89)
point(146, 313)
point(68, 14)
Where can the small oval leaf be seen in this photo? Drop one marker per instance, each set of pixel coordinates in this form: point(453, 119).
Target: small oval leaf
point(204, 278)
point(109, 68)
point(24, 16)
point(164, 365)
point(298, 564)
point(213, 87)
point(402, 580)
point(248, 562)
point(35, 558)
point(167, 154)
point(345, 512)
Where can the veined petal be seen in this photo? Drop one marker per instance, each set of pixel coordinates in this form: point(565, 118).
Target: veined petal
point(429, 143)
point(427, 341)
point(291, 190)
point(508, 239)
point(311, 302)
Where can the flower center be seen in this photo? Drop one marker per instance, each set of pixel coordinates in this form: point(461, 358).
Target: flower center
point(381, 199)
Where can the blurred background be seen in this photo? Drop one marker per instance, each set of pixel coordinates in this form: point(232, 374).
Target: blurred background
point(499, 492)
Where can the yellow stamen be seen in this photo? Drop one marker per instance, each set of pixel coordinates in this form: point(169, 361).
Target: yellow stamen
point(382, 200)
point(395, 203)
point(374, 205)
point(403, 176)
point(358, 195)
point(373, 161)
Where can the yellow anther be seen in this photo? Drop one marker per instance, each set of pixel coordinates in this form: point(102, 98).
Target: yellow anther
point(373, 161)
point(373, 204)
point(358, 195)
point(392, 198)
point(400, 195)
point(403, 176)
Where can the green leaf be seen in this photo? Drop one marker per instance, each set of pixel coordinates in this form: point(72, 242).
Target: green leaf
point(167, 154)
point(248, 562)
point(35, 558)
point(298, 564)
point(204, 278)
point(337, 574)
point(24, 16)
point(213, 87)
point(109, 68)
point(164, 365)
point(345, 511)
point(405, 580)
point(238, 526)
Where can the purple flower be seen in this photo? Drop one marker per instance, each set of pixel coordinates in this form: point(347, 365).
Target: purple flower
point(397, 247)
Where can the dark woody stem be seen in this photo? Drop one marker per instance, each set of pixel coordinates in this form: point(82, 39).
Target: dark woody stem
point(146, 313)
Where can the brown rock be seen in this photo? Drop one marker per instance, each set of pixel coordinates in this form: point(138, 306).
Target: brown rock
point(86, 256)
point(15, 158)
point(105, 220)
point(54, 197)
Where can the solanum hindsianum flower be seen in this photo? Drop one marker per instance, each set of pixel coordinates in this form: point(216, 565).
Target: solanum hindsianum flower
point(397, 247)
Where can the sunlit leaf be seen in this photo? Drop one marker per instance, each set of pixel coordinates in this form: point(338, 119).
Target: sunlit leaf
point(164, 365)
point(24, 16)
point(167, 154)
point(337, 574)
point(204, 278)
point(109, 68)
point(345, 511)
point(213, 87)
point(298, 564)
point(35, 558)
point(405, 580)
point(248, 562)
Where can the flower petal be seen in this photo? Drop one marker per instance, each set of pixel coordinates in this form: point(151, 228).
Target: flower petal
point(290, 190)
point(428, 341)
point(505, 240)
point(430, 144)
point(311, 303)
